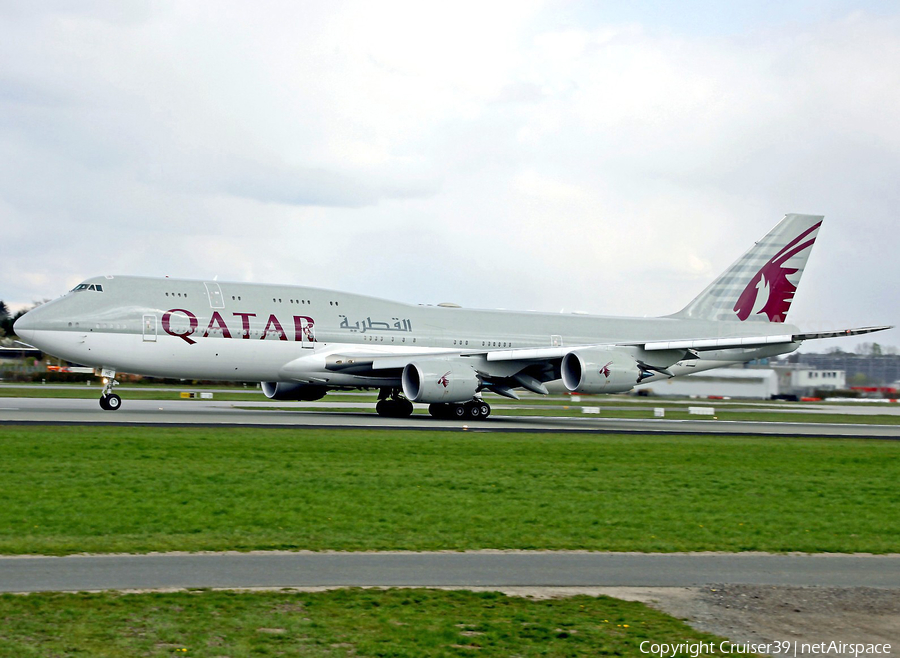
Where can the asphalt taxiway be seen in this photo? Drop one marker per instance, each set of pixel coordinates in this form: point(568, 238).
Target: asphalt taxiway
point(180, 413)
point(442, 569)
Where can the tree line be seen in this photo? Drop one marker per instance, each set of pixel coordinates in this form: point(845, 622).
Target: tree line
point(7, 319)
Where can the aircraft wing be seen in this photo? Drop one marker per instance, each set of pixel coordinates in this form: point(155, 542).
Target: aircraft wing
point(503, 370)
point(698, 344)
point(347, 362)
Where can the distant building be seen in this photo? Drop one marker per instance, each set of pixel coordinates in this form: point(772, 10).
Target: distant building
point(740, 382)
point(807, 379)
point(877, 369)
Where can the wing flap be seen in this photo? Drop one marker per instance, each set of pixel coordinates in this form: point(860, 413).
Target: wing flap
point(529, 353)
point(703, 344)
point(367, 361)
point(843, 332)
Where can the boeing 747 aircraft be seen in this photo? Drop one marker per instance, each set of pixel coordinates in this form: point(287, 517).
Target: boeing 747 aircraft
point(302, 342)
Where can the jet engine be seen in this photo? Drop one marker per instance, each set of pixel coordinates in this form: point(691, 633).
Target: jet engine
point(599, 371)
point(293, 391)
point(437, 380)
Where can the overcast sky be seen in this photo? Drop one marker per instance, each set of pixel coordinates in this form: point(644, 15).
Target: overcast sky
point(603, 157)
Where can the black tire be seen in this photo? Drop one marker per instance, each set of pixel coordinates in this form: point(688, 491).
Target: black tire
point(485, 410)
point(112, 402)
point(439, 410)
point(394, 408)
point(103, 403)
point(473, 410)
point(458, 411)
point(404, 408)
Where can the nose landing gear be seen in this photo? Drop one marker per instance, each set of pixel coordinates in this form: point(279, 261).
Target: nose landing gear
point(109, 401)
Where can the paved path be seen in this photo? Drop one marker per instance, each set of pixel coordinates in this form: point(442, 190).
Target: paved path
point(48, 411)
point(470, 569)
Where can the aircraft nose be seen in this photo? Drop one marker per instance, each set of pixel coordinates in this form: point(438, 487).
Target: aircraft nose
point(24, 327)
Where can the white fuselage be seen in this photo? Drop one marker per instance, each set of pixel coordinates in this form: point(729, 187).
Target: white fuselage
point(256, 332)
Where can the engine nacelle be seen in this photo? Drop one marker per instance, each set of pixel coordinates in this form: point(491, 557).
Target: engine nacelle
point(293, 391)
point(437, 380)
point(599, 371)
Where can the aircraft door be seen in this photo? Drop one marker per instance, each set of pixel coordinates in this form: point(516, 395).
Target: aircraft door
point(149, 330)
point(307, 329)
point(216, 300)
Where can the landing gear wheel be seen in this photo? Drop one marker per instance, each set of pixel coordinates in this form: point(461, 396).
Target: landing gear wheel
point(394, 407)
point(404, 408)
point(458, 411)
point(472, 410)
point(485, 410)
point(441, 410)
point(111, 402)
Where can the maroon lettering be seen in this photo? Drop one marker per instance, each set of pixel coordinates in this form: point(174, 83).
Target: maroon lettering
point(217, 321)
point(245, 323)
point(167, 325)
point(276, 326)
point(303, 329)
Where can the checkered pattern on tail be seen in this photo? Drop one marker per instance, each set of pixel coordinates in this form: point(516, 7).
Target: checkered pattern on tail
point(760, 285)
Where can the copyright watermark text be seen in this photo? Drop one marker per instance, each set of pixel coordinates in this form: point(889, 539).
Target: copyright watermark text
point(783, 648)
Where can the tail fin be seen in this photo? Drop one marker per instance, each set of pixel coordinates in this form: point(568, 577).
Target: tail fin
point(760, 285)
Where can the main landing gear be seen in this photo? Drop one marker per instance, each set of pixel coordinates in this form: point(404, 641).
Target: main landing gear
point(393, 405)
point(472, 410)
point(109, 401)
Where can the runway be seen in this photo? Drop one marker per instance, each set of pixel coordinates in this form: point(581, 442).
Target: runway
point(470, 569)
point(61, 411)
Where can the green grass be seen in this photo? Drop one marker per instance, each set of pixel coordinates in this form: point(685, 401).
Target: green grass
point(106, 489)
point(350, 622)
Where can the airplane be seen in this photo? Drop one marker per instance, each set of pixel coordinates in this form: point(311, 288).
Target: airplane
point(301, 342)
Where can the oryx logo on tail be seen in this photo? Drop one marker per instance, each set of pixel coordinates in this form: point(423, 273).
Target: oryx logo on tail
point(770, 291)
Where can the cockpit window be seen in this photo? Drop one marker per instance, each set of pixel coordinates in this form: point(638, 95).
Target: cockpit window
point(85, 286)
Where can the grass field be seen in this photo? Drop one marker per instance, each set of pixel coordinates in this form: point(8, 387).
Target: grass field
point(94, 489)
point(351, 622)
